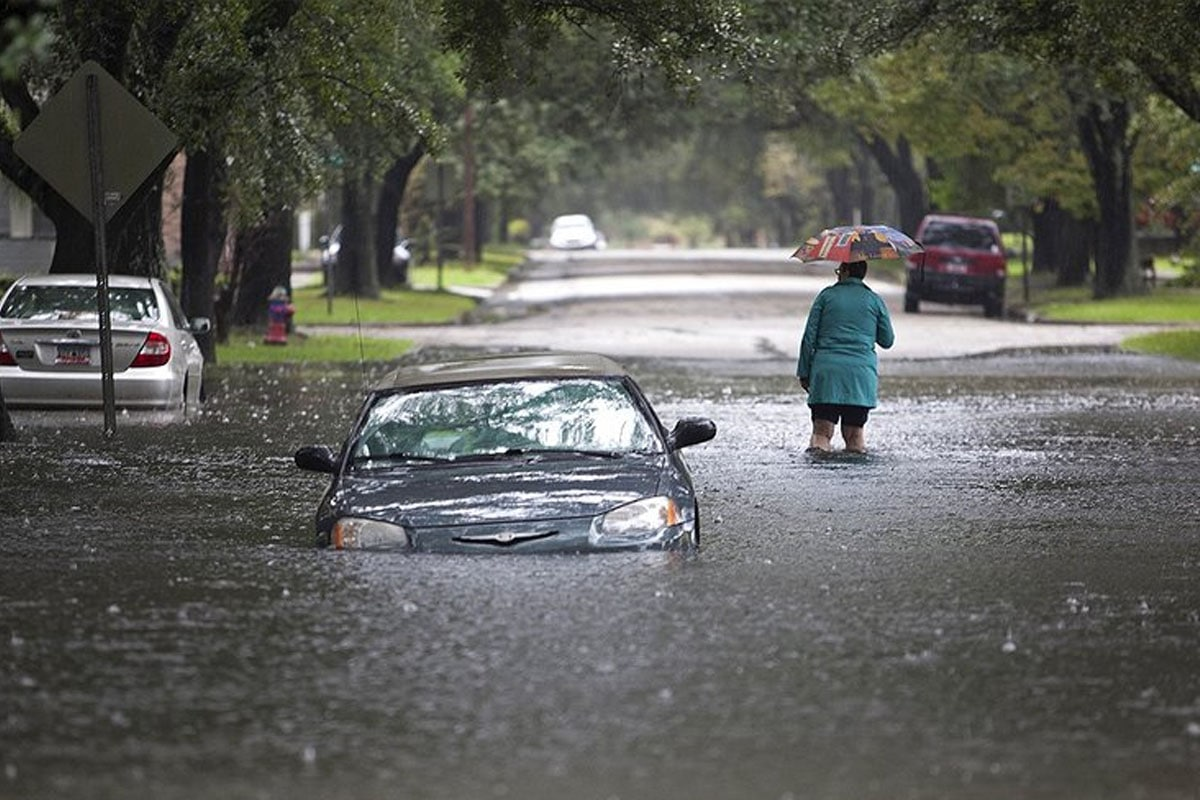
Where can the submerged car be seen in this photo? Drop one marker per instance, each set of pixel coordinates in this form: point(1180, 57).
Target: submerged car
point(533, 453)
point(50, 344)
point(575, 232)
point(963, 263)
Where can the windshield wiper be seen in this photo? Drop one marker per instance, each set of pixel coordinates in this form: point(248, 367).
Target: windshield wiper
point(392, 457)
point(566, 451)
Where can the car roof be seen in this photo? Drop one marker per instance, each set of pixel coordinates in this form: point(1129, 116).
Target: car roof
point(958, 219)
point(573, 219)
point(490, 369)
point(85, 279)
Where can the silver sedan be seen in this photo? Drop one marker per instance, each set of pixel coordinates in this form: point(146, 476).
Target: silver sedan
point(50, 344)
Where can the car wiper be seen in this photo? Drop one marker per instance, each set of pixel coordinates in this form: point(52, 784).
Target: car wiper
point(392, 457)
point(566, 451)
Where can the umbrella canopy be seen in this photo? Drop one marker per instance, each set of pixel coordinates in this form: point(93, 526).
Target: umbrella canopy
point(857, 243)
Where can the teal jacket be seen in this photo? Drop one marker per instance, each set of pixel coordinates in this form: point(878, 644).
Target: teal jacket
point(837, 353)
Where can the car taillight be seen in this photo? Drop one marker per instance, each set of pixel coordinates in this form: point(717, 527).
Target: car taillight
point(6, 356)
point(155, 352)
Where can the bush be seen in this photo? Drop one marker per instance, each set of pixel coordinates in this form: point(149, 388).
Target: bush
point(519, 231)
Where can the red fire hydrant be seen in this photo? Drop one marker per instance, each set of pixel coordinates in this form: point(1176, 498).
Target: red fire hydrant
point(279, 315)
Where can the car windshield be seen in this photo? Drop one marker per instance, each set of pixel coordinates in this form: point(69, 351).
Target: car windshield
point(596, 416)
point(33, 302)
point(971, 237)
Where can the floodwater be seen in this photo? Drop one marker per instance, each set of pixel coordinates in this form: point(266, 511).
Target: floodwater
point(1000, 600)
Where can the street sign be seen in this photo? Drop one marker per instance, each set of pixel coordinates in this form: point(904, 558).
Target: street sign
point(134, 142)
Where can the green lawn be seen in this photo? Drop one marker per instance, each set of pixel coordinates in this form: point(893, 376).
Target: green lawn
point(395, 306)
point(1166, 305)
point(1162, 304)
point(246, 348)
point(1179, 343)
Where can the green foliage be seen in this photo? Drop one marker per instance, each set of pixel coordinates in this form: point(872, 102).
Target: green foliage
point(248, 348)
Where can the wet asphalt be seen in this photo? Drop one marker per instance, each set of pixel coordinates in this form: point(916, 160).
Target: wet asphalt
point(1000, 600)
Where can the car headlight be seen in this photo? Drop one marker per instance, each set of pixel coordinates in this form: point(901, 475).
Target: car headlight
point(641, 521)
point(355, 533)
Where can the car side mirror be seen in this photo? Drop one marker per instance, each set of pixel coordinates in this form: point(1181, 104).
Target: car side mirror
point(200, 324)
point(323, 242)
point(316, 458)
point(691, 430)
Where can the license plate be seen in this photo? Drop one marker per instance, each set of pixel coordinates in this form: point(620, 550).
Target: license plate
point(956, 267)
point(74, 355)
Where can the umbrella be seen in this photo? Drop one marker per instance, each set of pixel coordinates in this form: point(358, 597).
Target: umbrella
point(857, 243)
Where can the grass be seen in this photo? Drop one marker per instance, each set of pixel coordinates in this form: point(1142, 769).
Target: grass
point(394, 306)
point(248, 348)
point(424, 304)
point(492, 269)
point(1160, 305)
point(1179, 343)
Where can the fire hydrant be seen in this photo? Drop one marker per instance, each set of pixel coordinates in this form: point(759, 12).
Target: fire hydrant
point(279, 315)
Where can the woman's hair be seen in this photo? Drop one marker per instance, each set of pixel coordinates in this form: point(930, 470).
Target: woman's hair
point(856, 269)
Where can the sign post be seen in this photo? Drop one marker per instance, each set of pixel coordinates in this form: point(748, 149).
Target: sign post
point(97, 183)
point(96, 145)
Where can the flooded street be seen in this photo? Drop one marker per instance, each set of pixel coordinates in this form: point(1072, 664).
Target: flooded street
point(1001, 600)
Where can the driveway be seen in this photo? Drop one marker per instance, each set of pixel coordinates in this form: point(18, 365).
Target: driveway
point(735, 305)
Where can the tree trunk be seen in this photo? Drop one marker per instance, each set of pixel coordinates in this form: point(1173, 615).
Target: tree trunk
point(387, 214)
point(355, 272)
point(264, 260)
point(202, 238)
point(1061, 244)
point(841, 194)
point(902, 174)
point(1104, 134)
point(866, 186)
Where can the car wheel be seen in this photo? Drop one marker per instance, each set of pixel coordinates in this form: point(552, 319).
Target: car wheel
point(992, 307)
point(912, 304)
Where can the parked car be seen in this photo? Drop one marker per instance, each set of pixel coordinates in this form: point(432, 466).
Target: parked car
point(531, 453)
point(331, 245)
point(963, 263)
point(50, 344)
point(575, 232)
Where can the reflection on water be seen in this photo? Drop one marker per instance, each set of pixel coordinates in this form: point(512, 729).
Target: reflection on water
point(999, 600)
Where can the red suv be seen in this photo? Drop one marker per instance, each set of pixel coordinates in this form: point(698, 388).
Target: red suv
point(963, 263)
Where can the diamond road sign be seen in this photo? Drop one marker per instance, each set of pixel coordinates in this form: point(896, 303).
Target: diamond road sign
point(133, 142)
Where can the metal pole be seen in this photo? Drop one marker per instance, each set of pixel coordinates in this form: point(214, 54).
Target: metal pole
point(99, 224)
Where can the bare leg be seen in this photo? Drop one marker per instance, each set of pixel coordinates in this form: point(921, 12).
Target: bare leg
point(856, 438)
point(822, 435)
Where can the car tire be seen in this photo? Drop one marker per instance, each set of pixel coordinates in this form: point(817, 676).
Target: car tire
point(993, 308)
point(912, 304)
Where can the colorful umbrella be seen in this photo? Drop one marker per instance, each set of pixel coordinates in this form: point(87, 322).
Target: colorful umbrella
point(857, 243)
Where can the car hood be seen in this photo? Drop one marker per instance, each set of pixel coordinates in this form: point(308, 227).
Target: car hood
point(425, 496)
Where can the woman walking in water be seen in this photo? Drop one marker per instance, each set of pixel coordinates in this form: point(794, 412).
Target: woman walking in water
point(838, 366)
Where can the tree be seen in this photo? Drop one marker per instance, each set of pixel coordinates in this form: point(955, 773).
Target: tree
point(133, 42)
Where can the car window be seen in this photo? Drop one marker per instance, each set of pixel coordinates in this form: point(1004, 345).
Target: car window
point(176, 309)
point(481, 419)
point(972, 237)
point(50, 303)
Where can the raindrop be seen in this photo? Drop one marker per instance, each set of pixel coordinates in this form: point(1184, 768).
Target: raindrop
point(1193, 729)
point(310, 754)
point(114, 609)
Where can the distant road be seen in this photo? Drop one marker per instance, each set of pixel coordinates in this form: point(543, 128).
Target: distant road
point(732, 304)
